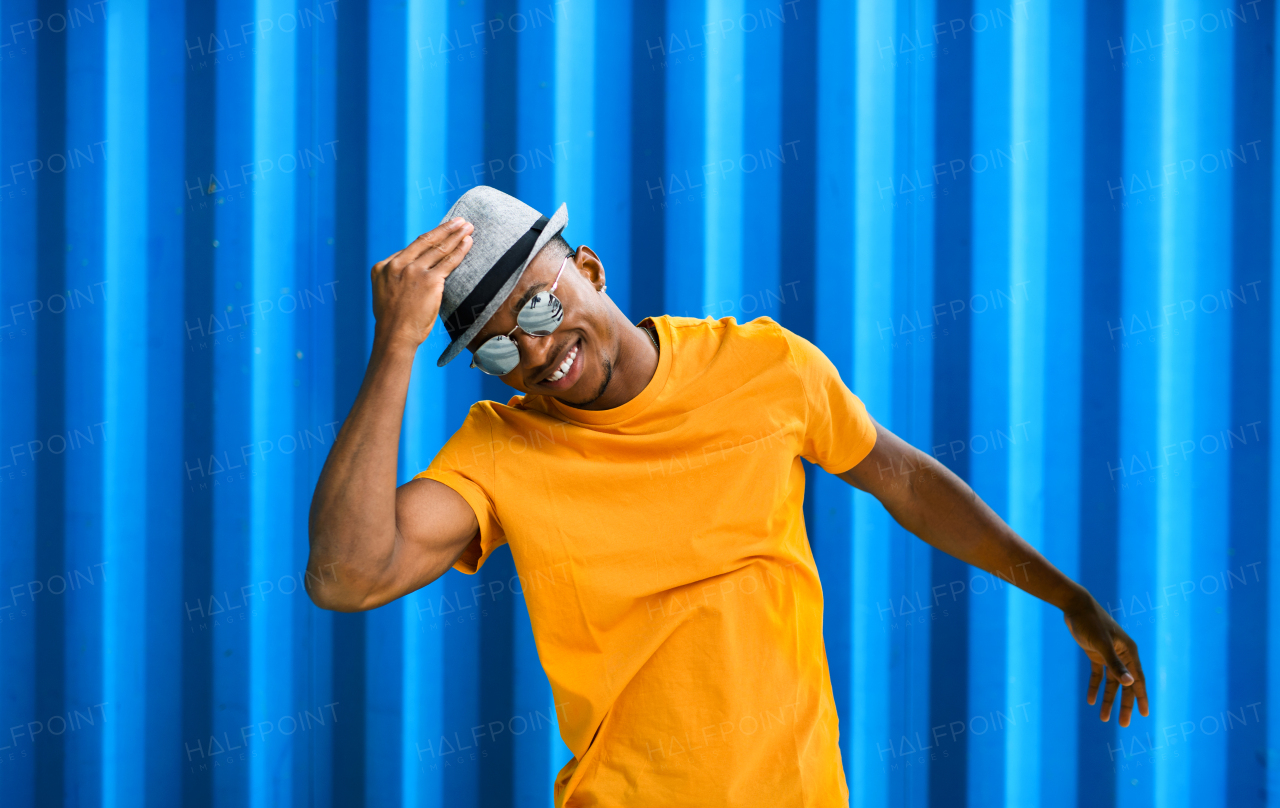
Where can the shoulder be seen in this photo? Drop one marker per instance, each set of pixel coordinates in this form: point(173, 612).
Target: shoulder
point(481, 414)
point(485, 418)
point(722, 353)
point(526, 416)
point(723, 325)
point(762, 336)
point(770, 344)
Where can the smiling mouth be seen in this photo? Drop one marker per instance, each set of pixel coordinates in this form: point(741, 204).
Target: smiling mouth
point(565, 365)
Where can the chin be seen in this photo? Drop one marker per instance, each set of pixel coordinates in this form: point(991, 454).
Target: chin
point(604, 376)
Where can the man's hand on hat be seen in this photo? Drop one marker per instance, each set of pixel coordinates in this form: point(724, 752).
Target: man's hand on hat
point(408, 285)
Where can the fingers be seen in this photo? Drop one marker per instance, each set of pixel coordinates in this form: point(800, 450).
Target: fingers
point(1117, 667)
point(1139, 679)
point(447, 235)
point(1095, 679)
point(1126, 706)
point(447, 243)
point(1108, 696)
point(1140, 690)
point(449, 232)
point(450, 262)
point(436, 255)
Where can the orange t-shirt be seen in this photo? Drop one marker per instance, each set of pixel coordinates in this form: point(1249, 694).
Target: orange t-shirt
point(674, 599)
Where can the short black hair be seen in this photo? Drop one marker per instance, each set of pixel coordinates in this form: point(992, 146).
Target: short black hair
point(560, 248)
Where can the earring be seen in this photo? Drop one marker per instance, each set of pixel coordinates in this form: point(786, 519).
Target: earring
point(602, 288)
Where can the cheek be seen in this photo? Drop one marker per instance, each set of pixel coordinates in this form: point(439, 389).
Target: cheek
point(515, 380)
point(600, 358)
point(593, 322)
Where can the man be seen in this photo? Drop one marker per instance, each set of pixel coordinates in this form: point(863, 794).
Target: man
point(650, 486)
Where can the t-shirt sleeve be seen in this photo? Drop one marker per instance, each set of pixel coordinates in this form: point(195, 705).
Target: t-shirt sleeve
point(838, 432)
point(465, 464)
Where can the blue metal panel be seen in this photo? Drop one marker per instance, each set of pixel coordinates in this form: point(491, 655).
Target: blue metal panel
point(232, 342)
point(908, 334)
point(1271, 444)
point(125, 397)
point(649, 245)
point(685, 50)
point(166, 346)
point(613, 142)
point(203, 183)
point(1028, 183)
point(1105, 80)
point(1250, 508)
point(22, 686)
point(991, 162)
point(1053, 735)
point(954, 221)
point(82, 388)
point(721, 170)
point(1036, 239)
point(875, 149)
point(1146, 419)
point(273, 522)
point(760, 163)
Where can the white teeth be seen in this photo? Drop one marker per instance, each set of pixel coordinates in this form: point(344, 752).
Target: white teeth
point(564, 366)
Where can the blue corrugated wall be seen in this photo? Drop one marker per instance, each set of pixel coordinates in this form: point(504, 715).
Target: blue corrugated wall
point(1035, 237)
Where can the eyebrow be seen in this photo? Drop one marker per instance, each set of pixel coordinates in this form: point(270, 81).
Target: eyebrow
point(528, 293)
point(515, 307)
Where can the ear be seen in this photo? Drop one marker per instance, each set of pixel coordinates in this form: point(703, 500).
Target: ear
point(589, 265)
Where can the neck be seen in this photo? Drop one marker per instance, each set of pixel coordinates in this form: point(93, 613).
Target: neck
point(635, 362)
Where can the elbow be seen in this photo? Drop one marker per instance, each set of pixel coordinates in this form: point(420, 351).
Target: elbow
point(337, 575)
point(337, 587)
point(324, 587)
point(330, 600)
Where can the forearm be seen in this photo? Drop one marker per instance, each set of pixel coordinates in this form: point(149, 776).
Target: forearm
point(353, 511)
point(936, 505)
point(940, 508)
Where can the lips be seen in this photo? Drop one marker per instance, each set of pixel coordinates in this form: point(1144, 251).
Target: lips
point(566, 370)
point(564, 366)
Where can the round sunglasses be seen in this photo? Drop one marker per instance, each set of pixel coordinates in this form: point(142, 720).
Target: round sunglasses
point(538, 317)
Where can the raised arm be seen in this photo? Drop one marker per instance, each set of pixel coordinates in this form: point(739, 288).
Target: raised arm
point(371, 542)
point(926, 498)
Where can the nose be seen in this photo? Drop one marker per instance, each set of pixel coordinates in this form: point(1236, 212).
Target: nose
point(535, 352)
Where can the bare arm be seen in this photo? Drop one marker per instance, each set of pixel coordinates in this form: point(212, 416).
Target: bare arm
point(926, 498)
point(371, 542)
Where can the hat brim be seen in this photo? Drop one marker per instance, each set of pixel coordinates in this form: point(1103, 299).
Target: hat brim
point(554, 225)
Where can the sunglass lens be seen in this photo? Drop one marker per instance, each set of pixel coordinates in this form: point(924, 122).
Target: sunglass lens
point(497, 356)
point(541, 315)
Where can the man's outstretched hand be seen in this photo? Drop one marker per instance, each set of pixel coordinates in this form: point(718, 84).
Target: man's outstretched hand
point(928, 499)
point(1112, 651)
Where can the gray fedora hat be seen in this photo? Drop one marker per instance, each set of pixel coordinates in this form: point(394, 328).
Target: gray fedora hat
point(508, 234)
